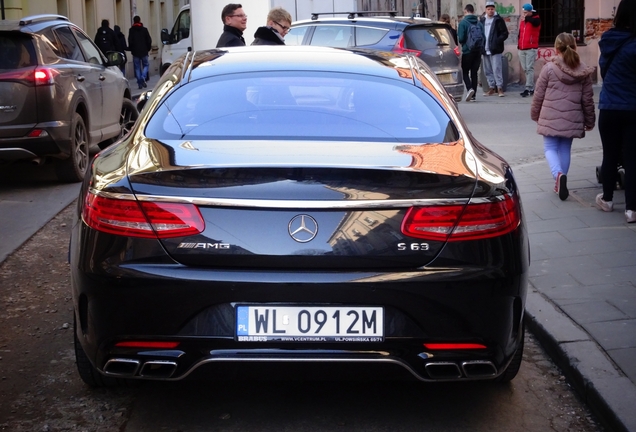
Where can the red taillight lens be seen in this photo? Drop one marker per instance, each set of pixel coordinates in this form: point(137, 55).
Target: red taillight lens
point(43, 76)
point(142, 219)
point(459, 223)
point(457, 51)
point(400, 49)
point(147, 344)
point(454, 346)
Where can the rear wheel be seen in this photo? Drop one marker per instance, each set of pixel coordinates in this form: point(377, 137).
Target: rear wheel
point(74, 167)
point(127, 117)
point(88, 373)
point(514, 366)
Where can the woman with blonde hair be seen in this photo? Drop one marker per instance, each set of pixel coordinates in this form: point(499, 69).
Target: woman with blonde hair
point(563, 107)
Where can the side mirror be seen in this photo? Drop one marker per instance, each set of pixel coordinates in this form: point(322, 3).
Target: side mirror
point(115, 58)
point(165, 36)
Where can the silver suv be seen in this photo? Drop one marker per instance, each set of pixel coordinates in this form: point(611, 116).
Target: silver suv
point(432, 41)
point(59, 95)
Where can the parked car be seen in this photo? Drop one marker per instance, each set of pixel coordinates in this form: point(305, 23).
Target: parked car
point(431, 41)
point(59, 95)
point(332, 208)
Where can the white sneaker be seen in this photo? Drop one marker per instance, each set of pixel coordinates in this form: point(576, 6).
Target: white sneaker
point(630, 216)
point(606, 206)
point(469, 95)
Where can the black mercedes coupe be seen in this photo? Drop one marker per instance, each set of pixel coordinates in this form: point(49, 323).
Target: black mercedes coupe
point(299, 205)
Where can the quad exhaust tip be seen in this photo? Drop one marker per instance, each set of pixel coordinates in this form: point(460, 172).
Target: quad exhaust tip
point(156, 369)
point(469, 369)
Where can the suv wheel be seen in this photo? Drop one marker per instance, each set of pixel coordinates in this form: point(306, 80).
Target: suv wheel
point(74, 168)
point(128, 117)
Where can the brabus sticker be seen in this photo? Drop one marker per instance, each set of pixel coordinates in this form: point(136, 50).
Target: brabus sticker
point(203, 246)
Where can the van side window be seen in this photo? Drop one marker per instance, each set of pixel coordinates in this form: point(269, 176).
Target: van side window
point(181, 29)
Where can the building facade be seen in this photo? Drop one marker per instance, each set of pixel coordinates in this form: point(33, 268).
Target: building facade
point(586, 19)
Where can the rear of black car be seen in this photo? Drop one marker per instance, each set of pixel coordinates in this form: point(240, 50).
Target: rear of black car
point(248, 232)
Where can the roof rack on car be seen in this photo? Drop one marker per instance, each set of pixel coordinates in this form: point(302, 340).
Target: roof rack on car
point(352, 15)
point(42, 17)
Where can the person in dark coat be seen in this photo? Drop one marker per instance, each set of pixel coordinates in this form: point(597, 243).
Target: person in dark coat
point(617, 108)
point(278, 25)
point(105, 38)
point(234, 24)
point(445, 18)
point(139, 44)
point(121, 46)
point(496, 33)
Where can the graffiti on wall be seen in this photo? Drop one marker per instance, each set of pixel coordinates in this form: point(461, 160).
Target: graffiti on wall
point(504, 10)
point(546, 53)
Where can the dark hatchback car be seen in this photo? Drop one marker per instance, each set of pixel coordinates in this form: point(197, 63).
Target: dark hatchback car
point(59, 96)
point(269, 206)
point(431, 41)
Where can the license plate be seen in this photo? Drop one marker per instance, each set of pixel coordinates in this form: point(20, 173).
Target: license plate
point(309, 323)
point(446, 78)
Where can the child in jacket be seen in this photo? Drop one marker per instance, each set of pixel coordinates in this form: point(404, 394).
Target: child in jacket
point(563, 107)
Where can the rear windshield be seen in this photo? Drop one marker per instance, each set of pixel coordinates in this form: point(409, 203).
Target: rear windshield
point(16, 51)
point(426, 37)
point(301, 106)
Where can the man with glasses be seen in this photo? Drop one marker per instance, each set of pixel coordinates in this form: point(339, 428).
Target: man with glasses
point(234, 24)
point(278, 24)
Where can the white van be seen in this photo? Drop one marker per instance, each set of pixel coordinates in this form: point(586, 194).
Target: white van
point(198, 25)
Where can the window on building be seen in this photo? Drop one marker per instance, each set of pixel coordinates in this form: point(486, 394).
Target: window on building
point(558, 16)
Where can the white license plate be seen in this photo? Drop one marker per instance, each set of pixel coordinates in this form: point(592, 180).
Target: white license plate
point(309, 323)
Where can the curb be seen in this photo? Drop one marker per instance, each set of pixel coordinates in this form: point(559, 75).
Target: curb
point(593, 375)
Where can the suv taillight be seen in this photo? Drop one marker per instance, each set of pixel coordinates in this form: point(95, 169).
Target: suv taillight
point(400, 49)
point(39, 76)
point(141, 219)
point(460, 223)
point(43, 76)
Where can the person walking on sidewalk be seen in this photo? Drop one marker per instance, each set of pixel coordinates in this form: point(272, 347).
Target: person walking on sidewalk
point(121, 46)
point(496, 33)
point(278, 24)
point(105, 38)
point(139, 43)
point(528, 44)
point(563, 107)
point(617, 108)
point(234, 24)
point(467, 31)
point(445, 18)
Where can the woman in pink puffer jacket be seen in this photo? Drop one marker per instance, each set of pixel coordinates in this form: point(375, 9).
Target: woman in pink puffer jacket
point(563, 107)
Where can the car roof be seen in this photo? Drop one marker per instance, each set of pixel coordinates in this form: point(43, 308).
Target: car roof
point(33, 23)
point(370, 20)
point(275, 58)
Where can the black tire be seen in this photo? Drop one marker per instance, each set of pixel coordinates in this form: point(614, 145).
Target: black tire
point(88, 373)
point(514, 366)
point(164, 67)
point(127, 117)
point(74, 167)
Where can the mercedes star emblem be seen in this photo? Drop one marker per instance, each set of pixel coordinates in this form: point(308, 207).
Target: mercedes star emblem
point(303, 228)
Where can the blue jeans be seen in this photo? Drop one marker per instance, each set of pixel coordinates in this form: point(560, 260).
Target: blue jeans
point(557, 153)
point(141, 69)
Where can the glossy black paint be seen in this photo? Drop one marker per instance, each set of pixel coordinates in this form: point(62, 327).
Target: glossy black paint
point(128, 288)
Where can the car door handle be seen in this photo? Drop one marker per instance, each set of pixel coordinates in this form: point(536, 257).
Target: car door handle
point(102, 77)
point(80, 78)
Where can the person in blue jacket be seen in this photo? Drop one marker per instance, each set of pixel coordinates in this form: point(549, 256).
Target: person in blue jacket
point(617, 108)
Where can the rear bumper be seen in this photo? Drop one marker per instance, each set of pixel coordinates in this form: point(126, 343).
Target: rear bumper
point(55, 142)
point(455, 90)
point(197, 309)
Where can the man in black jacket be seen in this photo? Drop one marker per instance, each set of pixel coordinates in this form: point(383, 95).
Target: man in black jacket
point(496, 33)
point(105, 37)
point(139, 44)
point(234, 24)
point(278, 24)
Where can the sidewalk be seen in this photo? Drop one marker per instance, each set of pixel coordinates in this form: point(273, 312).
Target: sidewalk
point(582, 284)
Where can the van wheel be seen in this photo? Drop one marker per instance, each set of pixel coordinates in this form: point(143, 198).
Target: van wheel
point(74, 167)
point(164, 67)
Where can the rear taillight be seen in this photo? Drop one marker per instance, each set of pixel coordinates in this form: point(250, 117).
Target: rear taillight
point(457, 51)
point(460, 223)
point(401, 49)
point(454, 346)
point(141, 219)
point(43, 76)
point(147, 344)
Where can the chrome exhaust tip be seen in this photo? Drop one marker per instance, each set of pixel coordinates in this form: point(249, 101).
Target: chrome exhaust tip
point(443, 370)
point(479, 369)
point(121, 367)
point(158, 369)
